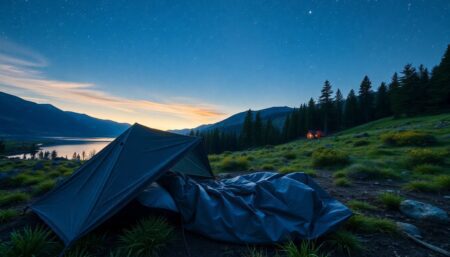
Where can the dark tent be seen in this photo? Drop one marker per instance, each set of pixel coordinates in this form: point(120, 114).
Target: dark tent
point(117, 175)
point(163, 170)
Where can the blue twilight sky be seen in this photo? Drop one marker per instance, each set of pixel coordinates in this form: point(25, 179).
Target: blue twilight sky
point(175, 64)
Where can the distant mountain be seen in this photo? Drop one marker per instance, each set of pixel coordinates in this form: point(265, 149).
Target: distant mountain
point(234, 122)
point(21, 117)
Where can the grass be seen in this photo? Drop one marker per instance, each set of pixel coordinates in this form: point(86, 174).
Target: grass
point(344, 242)
point(78, 252)
point(408, 138)
point(146, 238)
point(325, 157)
point(342, 182)
point(362, 142)
point(253, 252)
point(428, 169)
point(390, 200)
point(7, 215)
point(424, 156)
point(305, 249)
point(365, 224)
point(44, 186)
point(360, 206)
point(26, 179)
point(31, 242)
point(289, 155)
point(7, 198)
point(234, 163)
point(369, 170)
point(437, 184)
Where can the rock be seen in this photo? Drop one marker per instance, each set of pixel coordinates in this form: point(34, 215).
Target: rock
point(423, 211)
point(409, 229)
point(361, 135)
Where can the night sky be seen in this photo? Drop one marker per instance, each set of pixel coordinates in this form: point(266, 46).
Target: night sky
point(168, 64)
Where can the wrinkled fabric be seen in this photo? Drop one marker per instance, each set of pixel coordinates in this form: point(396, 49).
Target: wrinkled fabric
point(262, 207)
point(157, 197)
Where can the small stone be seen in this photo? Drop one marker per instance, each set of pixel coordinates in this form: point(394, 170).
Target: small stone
point(409, 229)
point(423, 211)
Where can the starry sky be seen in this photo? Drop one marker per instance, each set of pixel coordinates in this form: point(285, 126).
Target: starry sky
point(176, 64)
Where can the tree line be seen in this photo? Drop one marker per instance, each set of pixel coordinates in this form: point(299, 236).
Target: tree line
point(415, 91)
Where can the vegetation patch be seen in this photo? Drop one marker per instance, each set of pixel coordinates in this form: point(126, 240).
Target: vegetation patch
point(289, 155)
point(370, 171)
point(408, 138)
point(342, 182)
point(360, 205)
point(344, 242)
point(367, 224)
point(305, 249)
point(44, 186)
point(234, 163)
point(390, 200)
point(30, 242)
point(325, 157)
point(362, 142)
point(146, 238)
point(428, 169)
point(424, 156)
point(13, 197)
point(7, 214)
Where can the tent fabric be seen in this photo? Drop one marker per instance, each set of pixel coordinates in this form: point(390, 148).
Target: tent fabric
point(115, 176)
point(262, 207)
point(156, 197)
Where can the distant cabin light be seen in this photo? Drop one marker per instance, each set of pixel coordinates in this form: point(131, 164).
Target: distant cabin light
point(310, 135)
point(314, 134)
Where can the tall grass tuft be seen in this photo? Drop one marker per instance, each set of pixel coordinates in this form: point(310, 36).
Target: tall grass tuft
point(7, 214)
point(146, 238)
point(305, 249)
point(344, 242)
point(234, 163)
point(13, 197)
point(424, 156)
point(390, 201)
point(367, 224)
point(325, 157)
point(408, 138)
point(31, 242)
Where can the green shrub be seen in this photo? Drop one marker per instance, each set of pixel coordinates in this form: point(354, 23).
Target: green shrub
point(339, 174)
point(289, 155)
point(328, 158)
point(361, 143)
point(366, 224)
point(253, 252)
point(342, 182)
point(420, 185)
point(234, 164)
point(408, 138)
point(44, 186)
point(370, 171)
point(344, 242)
point(360, 205)
point(147, 237)
point(267, 167)
point(428, 169)
point(390, 201)
point(26, 179)
point(442, 182)
point(28, 242)
point(305, 249)
point(13, 197)
point(424, 156)
point(7, 214)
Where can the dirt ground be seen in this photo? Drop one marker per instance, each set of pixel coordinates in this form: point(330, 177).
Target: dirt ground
point(376, 245)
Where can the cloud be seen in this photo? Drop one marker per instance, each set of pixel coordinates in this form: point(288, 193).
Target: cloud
point(20, 72)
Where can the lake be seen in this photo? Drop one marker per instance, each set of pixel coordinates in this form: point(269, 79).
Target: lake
point(65, 146)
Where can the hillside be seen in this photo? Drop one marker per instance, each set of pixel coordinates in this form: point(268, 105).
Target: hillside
point(372, 168)
point(19, 117)
point(234, 122)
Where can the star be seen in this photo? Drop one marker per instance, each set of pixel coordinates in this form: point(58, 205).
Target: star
point(310, 12)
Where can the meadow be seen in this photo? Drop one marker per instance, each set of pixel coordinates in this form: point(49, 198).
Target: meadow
point(371, 168)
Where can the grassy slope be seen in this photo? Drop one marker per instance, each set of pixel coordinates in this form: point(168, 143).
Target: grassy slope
point(371, 153)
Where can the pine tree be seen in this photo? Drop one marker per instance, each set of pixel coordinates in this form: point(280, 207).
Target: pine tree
point(351, 110)
point(191, 133)
point(326, 104)
point(286, 128)
point(440, 84)
point(365, 100)
point(247, 129)
point(382, 105)
point(409, 94)
point(339, 109)
point(257, 130)
point(311, 116)
point(395, 96)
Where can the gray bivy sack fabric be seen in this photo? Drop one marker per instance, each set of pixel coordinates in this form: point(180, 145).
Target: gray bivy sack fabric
point(262, 207)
